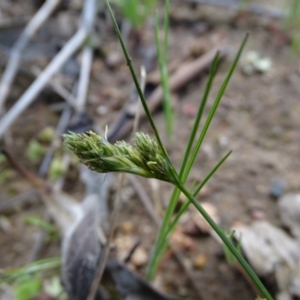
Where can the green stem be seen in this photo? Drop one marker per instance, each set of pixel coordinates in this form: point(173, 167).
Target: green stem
point(161, 238)
point(136, 82)
point(226, 241)
point(195, 193)
point(163, 68)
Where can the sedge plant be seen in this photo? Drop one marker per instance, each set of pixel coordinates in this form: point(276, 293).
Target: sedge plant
point(149, 158)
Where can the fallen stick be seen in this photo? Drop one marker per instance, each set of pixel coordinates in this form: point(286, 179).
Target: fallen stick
point(57, 62)
point(20, 199)
point(86, 63)
point(58, 88)
point(254, 8)
point(11, 69)
point(61, 126)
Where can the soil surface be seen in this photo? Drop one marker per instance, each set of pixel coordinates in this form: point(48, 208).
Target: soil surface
point(258, 119)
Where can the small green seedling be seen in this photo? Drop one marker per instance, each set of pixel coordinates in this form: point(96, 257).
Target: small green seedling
point(39, 266)
point(45, 226)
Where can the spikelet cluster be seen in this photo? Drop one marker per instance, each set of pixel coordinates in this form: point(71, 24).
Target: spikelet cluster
point(145, 159)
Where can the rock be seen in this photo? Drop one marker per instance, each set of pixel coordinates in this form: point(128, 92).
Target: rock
point(251, 57)
point(190, 109)
point(254, 63)
point(257, 213)
point(270, 251)
point(113, 59)
point(180, 241)
point(289, 213)
point(263, 65)
point(276, 189)
point(5, 224)
point(200, 222)
point(266, 245)
point(124, 243)
point(127, 227)
point(102, 110)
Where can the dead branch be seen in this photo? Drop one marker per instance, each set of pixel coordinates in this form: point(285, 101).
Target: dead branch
point(57, 62)
point(86, 63)
point(20, 199)
point(254, 8)
point(58, 88)
point(11, 69)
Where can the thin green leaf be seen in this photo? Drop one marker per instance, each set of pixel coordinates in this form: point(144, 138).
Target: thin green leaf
point(176, 192)
point(226, 241)
point(162, 62)
point(136, 82)
point(195, 193)
point(35, 267)
point(214, 108)
point(166, 29)
point(42, 224)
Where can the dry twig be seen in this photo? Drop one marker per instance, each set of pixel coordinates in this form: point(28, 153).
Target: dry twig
point(254, 8)
point(11, 69)
point(86, 63)
point(58, 88)
point(20, 199)
point(70, 48)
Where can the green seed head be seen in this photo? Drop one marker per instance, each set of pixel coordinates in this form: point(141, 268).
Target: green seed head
point(146, 159)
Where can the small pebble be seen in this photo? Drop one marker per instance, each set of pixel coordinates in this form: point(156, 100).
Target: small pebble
point(190, 110)
point(200, 261)
point(113, 59)
point(276, 189)
point(263, 65)
point(102, 110)
point(5, 224)
point(127, 227)
point(258, 214)
point(139, 257)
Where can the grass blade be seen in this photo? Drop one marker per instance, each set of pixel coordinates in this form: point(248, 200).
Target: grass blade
point(195, 193)
point(35, 267)
point(226, 241)
point(161, 238)
point(214, 108)
point(163, 69)
point(136, 82)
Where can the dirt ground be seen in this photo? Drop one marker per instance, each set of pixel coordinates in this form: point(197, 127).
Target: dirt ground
point(258, 119)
